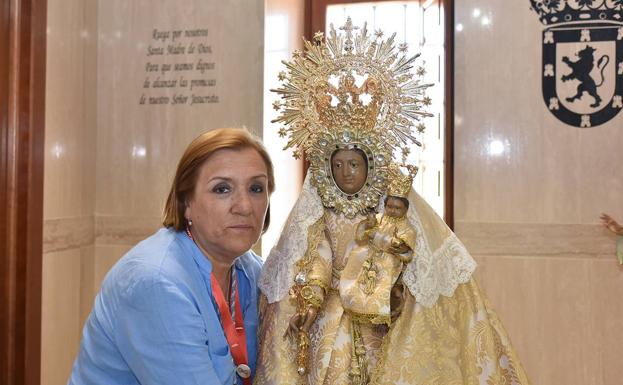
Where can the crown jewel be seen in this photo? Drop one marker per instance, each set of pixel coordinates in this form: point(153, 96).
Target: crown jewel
point(563, 11)
point(400, 184)
point(351, 90)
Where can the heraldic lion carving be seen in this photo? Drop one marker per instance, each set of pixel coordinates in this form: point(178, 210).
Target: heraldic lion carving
point(581, 70)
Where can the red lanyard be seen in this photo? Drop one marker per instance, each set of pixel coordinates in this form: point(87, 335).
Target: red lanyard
point(234, 332)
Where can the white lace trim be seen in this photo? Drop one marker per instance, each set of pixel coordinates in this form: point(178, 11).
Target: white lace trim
point(440, 272)
point(430, 274)
point(278, 271)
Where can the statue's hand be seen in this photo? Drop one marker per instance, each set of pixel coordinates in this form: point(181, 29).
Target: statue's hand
point(370, 220)
point(310, 317)
point(300, 323)
point(398, 246)
point(296, 321)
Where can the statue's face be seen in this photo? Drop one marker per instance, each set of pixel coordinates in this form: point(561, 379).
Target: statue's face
point(349, 170)
point(395, 207)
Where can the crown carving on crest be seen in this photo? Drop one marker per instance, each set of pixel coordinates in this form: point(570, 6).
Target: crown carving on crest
point(565, 11)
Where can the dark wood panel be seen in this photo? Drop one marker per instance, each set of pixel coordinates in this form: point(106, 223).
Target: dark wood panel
point(5, 361)
point(449, 112)
point(22, 120)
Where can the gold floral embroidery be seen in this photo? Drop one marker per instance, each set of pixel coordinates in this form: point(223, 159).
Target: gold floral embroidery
point(458, 341)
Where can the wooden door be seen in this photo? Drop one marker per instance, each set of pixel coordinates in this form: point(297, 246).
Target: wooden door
point(22, 95)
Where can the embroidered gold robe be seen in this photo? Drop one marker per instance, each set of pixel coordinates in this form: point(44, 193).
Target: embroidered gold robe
point(371, 270)
point(458, 339)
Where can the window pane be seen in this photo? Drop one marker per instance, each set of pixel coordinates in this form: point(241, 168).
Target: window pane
point(283, 28)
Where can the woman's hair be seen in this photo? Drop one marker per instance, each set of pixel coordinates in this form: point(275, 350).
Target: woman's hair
point(197, 152)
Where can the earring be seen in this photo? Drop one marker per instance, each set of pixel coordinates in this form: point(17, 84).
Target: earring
point(189, 223)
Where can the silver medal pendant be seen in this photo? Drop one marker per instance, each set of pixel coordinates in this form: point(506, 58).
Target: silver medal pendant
point(243, 370)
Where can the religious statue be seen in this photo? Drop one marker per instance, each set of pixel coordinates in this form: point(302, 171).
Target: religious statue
point(370, 282)
point(354, 298)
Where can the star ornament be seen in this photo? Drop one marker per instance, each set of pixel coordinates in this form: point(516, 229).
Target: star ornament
point(276, 105)
point(403, 47)
point(318, 36)
point(421, 71)
point(282, 132)
point(420, 128)
point(296, 154)
point(282, 75)
point(427, 101)
point(378, 33)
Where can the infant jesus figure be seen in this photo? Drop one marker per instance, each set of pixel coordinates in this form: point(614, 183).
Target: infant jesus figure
point(370, 286)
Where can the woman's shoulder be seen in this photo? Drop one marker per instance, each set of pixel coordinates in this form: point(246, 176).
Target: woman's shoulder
point(156, 249)
point(154, 259)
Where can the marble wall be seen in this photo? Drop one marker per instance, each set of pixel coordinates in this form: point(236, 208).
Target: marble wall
point(139, 145)
point(69, 182)
point(109, 158)
point(529, 190)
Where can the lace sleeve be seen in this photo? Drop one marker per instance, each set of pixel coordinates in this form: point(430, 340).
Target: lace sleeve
point(278, 271)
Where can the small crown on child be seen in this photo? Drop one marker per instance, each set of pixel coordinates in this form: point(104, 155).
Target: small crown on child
point(399, 183)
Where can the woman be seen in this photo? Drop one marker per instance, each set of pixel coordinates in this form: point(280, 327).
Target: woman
point(443, 331)
point(181, 306)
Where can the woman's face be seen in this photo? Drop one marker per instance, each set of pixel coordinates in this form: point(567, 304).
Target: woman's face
point(229, 203)
point(349, 170)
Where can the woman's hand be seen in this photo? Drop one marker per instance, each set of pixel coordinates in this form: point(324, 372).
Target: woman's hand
point(300, 323)
point(611, 224)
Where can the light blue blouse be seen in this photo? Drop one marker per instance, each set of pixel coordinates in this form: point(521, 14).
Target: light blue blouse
point(155, 321)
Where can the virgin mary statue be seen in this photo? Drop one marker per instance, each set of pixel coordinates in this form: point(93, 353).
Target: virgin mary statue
point(349, 104)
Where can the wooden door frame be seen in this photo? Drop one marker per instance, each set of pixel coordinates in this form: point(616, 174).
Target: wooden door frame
point(315, 20)
point(22, 120)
